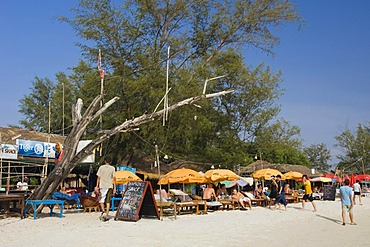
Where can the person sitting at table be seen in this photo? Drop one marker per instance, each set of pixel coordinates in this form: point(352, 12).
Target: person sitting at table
point(209, 194)
point(259, 194)
point(23, 185)
point(222, 192)
point(243, 200)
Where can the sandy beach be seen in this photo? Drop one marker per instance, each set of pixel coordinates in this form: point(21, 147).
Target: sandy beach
point(256, 227)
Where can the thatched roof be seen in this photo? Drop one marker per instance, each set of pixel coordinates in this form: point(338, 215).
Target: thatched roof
point(283, 168)
point(8, 133)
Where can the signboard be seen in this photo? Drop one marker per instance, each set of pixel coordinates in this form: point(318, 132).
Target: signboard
point(137, 200)
point(8, 151)
point(36, 149)
point(329, 192)
point(91, 157)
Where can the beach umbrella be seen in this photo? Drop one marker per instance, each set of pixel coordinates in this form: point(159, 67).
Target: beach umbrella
point(183, 176)
point(333, 177)
point(123, 177)
point(321, 179)
point(266, 174)
point(293, 175)
point(218, 175)
point(241, 182)
point(361, 177)
point(352, 180)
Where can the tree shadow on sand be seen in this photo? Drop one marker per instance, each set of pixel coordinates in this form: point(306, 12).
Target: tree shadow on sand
point(330, 219)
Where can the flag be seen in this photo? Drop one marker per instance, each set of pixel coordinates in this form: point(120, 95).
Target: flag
point(99, 66)
point(99, 61)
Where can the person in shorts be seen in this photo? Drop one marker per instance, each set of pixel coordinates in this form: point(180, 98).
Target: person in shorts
point(357, 191)
point(347, 202)
point(106, 185)
point(307, 193)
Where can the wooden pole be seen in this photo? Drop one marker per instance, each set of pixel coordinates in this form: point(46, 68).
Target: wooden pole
point(160, 186)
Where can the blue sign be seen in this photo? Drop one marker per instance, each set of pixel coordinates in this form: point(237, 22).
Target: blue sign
point(36, 149)
point(126, 168)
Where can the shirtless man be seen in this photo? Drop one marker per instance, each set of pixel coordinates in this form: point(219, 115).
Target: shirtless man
point(209, 193)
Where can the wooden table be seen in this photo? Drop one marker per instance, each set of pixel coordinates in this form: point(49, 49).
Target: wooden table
point(13, 197)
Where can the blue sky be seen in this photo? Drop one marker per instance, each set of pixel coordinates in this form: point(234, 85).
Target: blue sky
point(325, 65)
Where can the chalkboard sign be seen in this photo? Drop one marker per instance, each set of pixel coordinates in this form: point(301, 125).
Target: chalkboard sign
point(137, 200)
point(329, 192)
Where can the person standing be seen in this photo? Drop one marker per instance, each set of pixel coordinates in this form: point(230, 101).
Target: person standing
point(307, 193)
point(274, 191)
point(281, 193)
point(357, 191)
point(347, 202)
point(106, 185)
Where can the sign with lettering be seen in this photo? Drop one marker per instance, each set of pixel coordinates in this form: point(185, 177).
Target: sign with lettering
point(329, 192)
point(8, 151)
point(36, 149)
point(137, 200)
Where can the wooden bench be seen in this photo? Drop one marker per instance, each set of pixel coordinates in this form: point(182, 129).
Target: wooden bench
point(259, 202)
point(187, 206)
point(50, 203)
point(229, 204)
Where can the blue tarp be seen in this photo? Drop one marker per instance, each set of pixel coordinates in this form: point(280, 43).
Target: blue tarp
point(62, 196)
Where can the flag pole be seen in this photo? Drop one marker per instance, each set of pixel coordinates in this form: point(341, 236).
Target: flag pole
point(165, 112)
point(101, 72)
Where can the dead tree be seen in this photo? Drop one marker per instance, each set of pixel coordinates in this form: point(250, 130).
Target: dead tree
point(71, 158)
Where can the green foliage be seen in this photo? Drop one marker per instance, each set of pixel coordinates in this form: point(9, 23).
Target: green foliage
point(34, 181)
point(318, 155)
point(207, 39)
point(355, 147)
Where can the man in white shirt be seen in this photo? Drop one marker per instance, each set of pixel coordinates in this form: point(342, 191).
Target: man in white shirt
point(357, 192)
point(106, 185)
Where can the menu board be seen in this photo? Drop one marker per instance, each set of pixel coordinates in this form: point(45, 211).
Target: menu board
point(329, 192)
point(137, 200)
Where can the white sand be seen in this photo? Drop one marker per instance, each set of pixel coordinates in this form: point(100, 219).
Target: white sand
point(257, 227)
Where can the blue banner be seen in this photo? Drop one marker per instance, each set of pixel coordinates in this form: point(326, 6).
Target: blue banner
point(36, 149)
point(126, 168)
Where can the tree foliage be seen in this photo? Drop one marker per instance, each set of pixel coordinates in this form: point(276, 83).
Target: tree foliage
point(355, 147)
point(318, 155)
point(206, 39)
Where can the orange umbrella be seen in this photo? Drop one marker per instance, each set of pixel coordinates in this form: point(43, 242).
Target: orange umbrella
point(218, 175)
point(266, 174)
point(123, 177)
point(183, 176)
point(293, 175)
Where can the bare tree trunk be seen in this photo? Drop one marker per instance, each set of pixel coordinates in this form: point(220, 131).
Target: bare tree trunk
point(71, 158)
